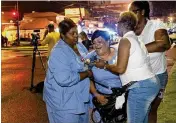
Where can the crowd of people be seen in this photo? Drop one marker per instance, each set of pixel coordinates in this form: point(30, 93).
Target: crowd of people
point(75, 74)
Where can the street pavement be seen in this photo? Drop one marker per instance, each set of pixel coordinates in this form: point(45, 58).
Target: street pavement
point(19, 105)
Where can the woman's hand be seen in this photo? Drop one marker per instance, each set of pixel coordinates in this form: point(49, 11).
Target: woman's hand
point(90, 74)
point(100, 64)
point(101, 99)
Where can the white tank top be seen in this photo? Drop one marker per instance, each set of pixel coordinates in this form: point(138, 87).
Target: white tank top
point(138, 67)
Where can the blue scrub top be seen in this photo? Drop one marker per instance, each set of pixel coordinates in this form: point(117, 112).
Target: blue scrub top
point(104, 77)
point(63, 89)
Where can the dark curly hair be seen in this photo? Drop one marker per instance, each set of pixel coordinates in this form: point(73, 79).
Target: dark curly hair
point(143, 5)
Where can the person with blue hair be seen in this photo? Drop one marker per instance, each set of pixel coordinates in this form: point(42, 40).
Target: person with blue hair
point(132, 64)
point(104, 80)
point(104, 52)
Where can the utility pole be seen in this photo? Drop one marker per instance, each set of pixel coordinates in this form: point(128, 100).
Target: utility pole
point(18, 28)
point(80, 13)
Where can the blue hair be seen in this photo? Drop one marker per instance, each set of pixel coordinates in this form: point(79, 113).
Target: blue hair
point(104, 34)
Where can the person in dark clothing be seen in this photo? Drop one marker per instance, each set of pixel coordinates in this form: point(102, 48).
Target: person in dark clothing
point(85, 41)
point(2, 40)
point(6, 41)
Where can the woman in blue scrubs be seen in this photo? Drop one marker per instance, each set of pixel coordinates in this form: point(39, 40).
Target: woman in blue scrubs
point(66, 86)
point(104, 80)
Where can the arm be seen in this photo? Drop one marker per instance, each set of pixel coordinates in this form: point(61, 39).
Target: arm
point(85, 74)
point(93, 90)
point(45, 34)
point(123, 56)
point(61, 71)
point(102, 99)
point(46, 40)
point(69, 78)
point(161, 43)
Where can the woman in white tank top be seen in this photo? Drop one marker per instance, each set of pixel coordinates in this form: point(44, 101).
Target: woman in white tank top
point(133, 65)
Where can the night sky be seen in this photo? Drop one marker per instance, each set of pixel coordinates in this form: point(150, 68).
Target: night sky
point(39, 6)
point(161, 8)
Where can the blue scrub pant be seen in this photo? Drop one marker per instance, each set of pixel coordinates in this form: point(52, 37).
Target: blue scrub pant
point(66, 117)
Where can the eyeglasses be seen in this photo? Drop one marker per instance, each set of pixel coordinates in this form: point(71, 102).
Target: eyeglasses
point(135, 11)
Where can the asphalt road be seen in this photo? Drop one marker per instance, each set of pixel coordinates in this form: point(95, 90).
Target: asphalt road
point(19, 105)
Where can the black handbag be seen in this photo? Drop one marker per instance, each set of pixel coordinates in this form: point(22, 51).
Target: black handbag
point(108, 112)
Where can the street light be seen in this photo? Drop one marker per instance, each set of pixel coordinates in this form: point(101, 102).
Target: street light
point(14, 13)
point(18, 27)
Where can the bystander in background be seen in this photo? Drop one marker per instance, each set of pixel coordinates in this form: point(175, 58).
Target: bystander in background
point(50, 38)
point(85, 41)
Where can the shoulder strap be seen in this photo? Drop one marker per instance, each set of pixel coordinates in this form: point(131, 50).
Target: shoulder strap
point(125, 87)
point(104, 85)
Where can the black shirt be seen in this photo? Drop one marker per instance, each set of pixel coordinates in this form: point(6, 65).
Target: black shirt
point(87, 43)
